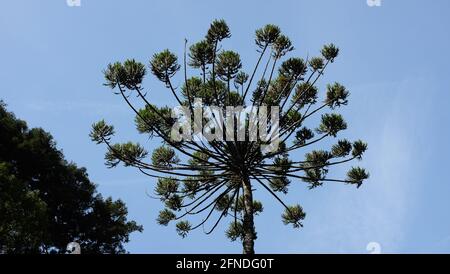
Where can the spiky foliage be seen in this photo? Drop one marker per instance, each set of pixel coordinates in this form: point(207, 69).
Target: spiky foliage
point(203, 176)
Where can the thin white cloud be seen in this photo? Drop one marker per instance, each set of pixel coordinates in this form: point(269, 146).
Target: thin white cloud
point(75, 106)
point(382, 209)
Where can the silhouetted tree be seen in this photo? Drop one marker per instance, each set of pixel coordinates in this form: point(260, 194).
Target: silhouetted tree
point(197, 176)
point(46, 202)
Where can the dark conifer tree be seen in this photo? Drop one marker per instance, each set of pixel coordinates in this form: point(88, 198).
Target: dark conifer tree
point(47, 202)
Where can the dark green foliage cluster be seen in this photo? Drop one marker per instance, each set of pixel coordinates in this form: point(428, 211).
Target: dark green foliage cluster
point(164, 157)
point(147, 115)
point(293, 215)
point(46, 202)
point(218, 30)
point(119, 152)
point(129, 74)
point(228, 65)
point(267, 35)
point(221, 175)
point(164, 65)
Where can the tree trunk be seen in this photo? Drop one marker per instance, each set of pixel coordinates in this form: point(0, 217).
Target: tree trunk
point(248, 225)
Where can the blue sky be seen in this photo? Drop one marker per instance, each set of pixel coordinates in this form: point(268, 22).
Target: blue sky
point(394, 59)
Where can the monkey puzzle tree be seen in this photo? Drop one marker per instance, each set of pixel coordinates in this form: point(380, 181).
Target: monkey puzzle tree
point(198, 175)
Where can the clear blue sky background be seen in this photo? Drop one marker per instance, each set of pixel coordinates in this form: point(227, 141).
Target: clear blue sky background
point(394, 60)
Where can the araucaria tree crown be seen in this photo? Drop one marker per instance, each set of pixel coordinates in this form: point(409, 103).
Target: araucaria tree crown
point(215, 167)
